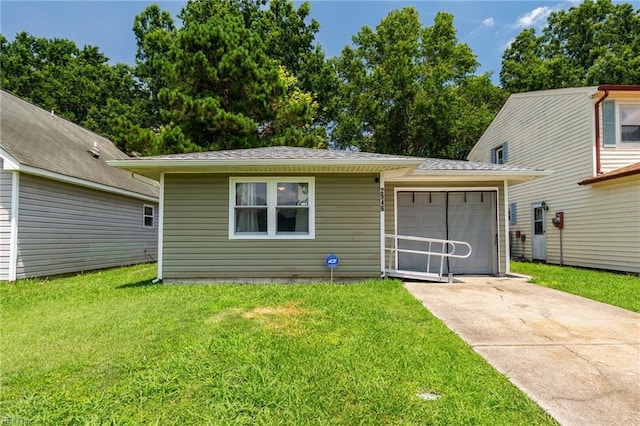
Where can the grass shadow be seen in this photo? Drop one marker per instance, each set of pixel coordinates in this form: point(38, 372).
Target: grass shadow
point(145, 283)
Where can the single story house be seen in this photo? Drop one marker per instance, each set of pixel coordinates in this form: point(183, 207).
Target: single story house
point(62, 208)
point(278, 213)
point(587, 212)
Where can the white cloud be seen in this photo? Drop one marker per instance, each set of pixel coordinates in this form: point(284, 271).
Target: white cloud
point(489, 22)
point(508, 44)
point(536, 16)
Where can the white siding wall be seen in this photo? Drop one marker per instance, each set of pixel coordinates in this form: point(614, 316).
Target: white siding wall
point(5, 221)
point(64, 228)
point(554, 131)
point(603, 229)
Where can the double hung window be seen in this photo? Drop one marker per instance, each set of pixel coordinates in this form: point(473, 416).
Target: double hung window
point(630, 123)
point(621, 124)
point(147, 216)
point(271, 207)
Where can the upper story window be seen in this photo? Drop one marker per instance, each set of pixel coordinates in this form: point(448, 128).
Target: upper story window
point(629, 123)
point(147, 216)
point(620, 124)
point(272, 207)
point(499, 154)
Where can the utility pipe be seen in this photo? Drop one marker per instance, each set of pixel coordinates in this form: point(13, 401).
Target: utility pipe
point(597, 116)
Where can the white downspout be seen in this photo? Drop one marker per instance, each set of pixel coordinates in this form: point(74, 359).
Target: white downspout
point(160, 230)
point(507, 247)
point(13, 239)
point(382, 226)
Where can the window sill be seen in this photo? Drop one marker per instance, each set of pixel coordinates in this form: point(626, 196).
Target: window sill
point(272, 237)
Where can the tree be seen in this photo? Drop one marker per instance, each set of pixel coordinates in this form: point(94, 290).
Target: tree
point(593, 43)
point(222, 79)
point(77, 84)
point(407, 89)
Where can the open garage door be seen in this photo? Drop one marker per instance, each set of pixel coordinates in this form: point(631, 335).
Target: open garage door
point(468, 216)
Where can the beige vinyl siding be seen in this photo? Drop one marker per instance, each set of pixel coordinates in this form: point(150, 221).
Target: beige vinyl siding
point(390, 205)
point(5, 220)
point(602, 227)
point(196, 233)
point(554, 131)
point(615, 158)
point(65, 228)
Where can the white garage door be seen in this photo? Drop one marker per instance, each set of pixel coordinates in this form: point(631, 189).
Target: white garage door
point(468, 216)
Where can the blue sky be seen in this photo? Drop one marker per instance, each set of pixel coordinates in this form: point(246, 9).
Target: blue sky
point(486, 26)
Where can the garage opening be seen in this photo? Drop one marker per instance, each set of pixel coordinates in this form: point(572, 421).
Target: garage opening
point(468, 216)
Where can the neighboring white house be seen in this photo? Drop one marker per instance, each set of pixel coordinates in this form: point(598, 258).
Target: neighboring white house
point(62, 208)
point(587, 212)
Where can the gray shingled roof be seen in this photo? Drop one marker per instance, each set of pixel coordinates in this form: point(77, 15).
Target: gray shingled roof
point(37, 139)
point(438, 164)
point(283, 153)
point(295, 153)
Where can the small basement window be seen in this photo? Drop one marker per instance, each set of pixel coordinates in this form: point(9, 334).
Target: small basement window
point(279, 208)
point(148, 216)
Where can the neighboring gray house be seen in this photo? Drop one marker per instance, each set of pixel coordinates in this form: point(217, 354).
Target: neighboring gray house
point(277, 213)
point(587, 212)
point(62, 208)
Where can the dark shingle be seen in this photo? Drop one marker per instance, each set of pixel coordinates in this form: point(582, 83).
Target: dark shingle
point(36, 138)
point(282, 153)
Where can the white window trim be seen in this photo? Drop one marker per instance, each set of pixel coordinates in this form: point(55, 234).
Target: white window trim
point(144, 216)
point(271, 207)
point(619, 142)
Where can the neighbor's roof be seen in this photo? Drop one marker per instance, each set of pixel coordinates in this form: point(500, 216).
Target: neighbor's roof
point(307, 160)
point(633, 169)
point(36, 141)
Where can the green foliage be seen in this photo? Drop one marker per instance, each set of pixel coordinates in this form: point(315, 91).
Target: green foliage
point(615, 289)
point(407, 89)
point(110, 347)
point(596, 42)
point(217, 82)
point(77, 84)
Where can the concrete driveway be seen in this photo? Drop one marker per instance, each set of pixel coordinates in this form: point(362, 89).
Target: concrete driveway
point(578, 359)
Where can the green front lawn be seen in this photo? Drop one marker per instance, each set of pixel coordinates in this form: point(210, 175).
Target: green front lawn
point(110, 347)
point(615, 289)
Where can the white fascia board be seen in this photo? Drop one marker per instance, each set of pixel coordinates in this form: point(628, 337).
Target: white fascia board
point(478, 175)
point(10, 163)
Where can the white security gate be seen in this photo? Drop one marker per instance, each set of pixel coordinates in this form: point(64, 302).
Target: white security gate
point(468, 216)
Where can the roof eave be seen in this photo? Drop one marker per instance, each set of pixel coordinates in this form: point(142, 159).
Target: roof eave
point(513, 177)
point(605, 178)
point(12, 164)
point(153, 168)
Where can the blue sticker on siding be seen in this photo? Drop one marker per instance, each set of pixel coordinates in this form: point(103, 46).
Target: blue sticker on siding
point(332, 261)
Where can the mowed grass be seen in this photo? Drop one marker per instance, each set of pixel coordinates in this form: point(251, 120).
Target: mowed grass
point(111, 348)
point(621, 290)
